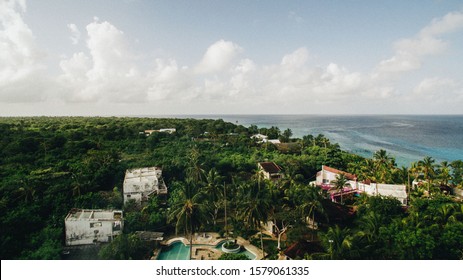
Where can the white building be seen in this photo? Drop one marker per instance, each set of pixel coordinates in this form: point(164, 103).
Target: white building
point(327, 176)
point(148, 132)
point(272, 141)
point(397, 191)
point(140, 184)
point(168, 130)
point(260, 137)
point(88, 226)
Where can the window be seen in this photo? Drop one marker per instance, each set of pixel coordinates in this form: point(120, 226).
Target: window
point(117, 226)
point(97, 224)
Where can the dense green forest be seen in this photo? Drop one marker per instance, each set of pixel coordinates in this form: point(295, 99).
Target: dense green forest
point(49, 165)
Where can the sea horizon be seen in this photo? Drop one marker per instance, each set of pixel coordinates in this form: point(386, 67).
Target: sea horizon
point(406, 137)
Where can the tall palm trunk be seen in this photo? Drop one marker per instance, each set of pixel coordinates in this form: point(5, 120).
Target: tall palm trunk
point(191, 238)
point(262, 243)
point(313, 223)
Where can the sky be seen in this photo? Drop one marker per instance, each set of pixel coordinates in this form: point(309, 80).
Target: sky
point(143, 57)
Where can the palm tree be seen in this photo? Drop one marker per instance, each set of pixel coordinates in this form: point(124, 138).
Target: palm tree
point(256, 205)
point(444, 173)
point(213, 188)
point(340, 183)
point(446, 213)
point(415, 171)
point(427, 167)
point(357, 167)
point(311, 202)
point(369, 171)
point(403, 175)
point(370, 224)
point(457, 172)
point(384, 164)
point(188, 210)
point(195, 171)
point(338, 241)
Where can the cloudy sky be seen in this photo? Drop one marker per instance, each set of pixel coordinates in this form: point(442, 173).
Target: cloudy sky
point(143, 57)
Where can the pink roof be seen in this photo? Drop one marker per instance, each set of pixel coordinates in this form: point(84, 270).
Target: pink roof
point(336, 171)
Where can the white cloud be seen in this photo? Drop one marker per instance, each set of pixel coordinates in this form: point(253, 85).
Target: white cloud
point(241, 82)
point(436, 88)
point(438, 94)
point(75, 33)
point(107, 71)
point(109, 50)
point(410, 52)
point(168, 81)
point(218, 57)
point(296, 59)
point(21, 68)
point(451, 22)
point(108, 74)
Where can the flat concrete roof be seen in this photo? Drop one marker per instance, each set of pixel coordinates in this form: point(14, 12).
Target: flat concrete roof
point(93, 214)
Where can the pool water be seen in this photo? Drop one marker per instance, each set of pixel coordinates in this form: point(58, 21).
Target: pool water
point(179, 251)
point(175, 251)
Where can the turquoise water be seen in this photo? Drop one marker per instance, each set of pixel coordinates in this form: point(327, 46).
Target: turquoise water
point(250, 255)
point(175, 251)
point(408, 138)
point(179, 251)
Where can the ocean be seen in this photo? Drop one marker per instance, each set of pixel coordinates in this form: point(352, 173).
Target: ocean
point(408, 138)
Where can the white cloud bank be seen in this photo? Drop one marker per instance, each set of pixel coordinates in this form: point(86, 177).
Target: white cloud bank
point(22, 77)
point(106, 72)
point(410, 52)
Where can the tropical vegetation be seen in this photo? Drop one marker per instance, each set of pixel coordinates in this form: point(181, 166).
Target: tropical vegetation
point(49, 165)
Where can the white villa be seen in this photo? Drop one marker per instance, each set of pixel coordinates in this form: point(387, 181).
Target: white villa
point(89, 226)
point(148, 132)
point(327, 176)
point(140, 184)
point(260, 137)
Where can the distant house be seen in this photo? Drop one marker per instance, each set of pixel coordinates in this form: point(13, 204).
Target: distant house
point(326, 179)
point(89, 226)
point(148, 132)
point(168, 130)
point(270, 170)
point(259, 137)
point(140, 184)
point(264, 139)
point(273, 141)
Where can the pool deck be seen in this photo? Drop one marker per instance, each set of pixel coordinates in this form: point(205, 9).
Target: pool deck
point(209, 239)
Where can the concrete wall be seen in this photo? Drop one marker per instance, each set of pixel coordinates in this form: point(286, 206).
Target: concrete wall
point(325, 175)
point(133, 196)
point(83, 232)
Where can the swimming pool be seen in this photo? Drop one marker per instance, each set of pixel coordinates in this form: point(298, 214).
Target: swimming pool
point(179, 251)
point(175, 251)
